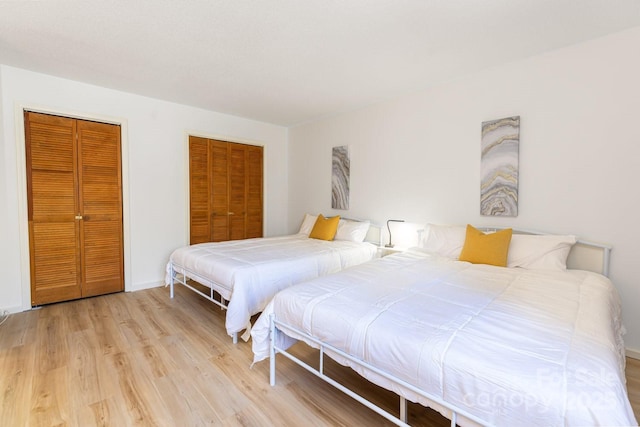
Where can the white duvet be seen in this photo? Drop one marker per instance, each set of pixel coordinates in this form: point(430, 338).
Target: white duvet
point(248, 273)
point(508, 345)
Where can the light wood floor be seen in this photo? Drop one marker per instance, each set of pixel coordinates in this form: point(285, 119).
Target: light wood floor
point(144, 359)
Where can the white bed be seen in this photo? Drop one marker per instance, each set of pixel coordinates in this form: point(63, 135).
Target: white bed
point(481, 344)
point(245, 274)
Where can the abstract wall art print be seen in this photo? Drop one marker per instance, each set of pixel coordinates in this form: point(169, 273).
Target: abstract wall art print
point(340, 165)
point(499, 167)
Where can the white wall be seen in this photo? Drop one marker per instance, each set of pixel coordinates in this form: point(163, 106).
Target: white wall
point(156, 191)
point(418, 157)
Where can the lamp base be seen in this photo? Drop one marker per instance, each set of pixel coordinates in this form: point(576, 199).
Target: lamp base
point(389, 245)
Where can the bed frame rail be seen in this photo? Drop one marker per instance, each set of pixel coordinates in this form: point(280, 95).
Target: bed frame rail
point(401, 420)
point(183, 279)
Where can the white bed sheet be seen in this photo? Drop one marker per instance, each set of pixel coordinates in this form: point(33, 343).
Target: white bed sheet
point(510, 346)
point(248, 273)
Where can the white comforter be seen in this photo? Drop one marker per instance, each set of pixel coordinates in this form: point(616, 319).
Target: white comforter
point(510, 346)
point(248, 273)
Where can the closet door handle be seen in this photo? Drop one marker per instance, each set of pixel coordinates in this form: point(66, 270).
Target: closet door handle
point(230, 213)
point(78, 216)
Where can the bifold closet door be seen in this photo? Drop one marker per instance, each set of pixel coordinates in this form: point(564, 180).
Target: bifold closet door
point(74, 194)
point(225, 190)
point(200, 216)
point(220, 191)
point(254, 197)
point(100, 191)
point(237, 172)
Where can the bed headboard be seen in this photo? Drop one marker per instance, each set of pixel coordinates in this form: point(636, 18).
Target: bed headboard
point(374, 234)
point(590, 256)
point(584, 255)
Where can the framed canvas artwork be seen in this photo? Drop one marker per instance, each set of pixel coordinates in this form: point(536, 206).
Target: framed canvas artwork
point(499, 167)
point(340, 164)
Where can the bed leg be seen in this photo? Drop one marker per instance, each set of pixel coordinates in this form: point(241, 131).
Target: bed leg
point(234, 336)
point(171, 280)
point(272, 351)
point(403, 409)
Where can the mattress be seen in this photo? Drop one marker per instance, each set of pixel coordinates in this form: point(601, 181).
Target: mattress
point(508, 345)
point(247, 273)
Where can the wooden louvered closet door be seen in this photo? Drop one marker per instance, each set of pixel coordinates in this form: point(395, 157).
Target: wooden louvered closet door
point(253, 187)
point(225, 189)
point(74, 191)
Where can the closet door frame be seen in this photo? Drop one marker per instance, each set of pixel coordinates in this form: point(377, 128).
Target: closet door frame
point(21, 167)
point(225, 138)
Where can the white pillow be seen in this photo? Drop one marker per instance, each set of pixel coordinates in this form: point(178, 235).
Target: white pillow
point(353, 231)
point(546, 252)
point(307, 224)
point(445, 240)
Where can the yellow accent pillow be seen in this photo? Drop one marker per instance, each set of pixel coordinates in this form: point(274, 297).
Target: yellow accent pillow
point(325, 228)
point(492, 248)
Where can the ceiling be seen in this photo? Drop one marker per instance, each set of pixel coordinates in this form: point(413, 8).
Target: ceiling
point(290, 61)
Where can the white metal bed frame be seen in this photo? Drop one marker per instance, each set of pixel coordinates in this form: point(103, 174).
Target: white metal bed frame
point(183, 279)
point(373, 236)
point(401, 420)
point(582, 260)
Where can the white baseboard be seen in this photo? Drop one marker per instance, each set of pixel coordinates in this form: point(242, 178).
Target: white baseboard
point(14, 309)
point(634, 354)
point(147, 285)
